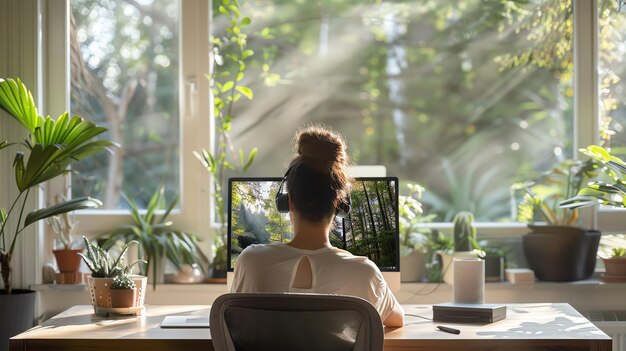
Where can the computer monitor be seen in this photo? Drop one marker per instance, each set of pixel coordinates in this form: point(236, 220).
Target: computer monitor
point(371, 228)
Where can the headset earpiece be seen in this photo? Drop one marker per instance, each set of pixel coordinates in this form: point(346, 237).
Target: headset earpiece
point(282, 201)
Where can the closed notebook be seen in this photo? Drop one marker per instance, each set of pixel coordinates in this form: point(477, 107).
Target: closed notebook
point(185, 322)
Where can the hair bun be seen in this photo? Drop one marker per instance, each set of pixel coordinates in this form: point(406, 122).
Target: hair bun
point(322, 145)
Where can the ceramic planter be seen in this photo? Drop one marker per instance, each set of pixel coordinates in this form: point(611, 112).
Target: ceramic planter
point(17, 314)
point(494, 268)
point(615, 267)
point(100, 291)
point(123, 298)
point(413, 267)
point(68, 261)
point(560, 254)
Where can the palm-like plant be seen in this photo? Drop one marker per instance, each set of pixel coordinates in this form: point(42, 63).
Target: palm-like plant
point(51, 147)
point(544, 196)
point(156, 236)
point(600, 192)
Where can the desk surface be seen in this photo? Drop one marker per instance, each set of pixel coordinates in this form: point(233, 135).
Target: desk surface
point(527, 326)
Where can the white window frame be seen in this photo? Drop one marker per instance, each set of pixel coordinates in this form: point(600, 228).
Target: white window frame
point(195, 115)
point(197, 121)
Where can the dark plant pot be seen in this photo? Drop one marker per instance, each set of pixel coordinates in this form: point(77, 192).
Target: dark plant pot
point(560, 253)
point(17, 314)
point(217, 272)
point(494, 268)
point(67, 260)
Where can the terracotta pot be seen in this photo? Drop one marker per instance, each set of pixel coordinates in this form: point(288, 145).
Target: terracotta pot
point(100, 291)
point(123, 298)
point(615, 266)
point(67, 260)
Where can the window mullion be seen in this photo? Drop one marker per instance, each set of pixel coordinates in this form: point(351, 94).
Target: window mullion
point(586, 126)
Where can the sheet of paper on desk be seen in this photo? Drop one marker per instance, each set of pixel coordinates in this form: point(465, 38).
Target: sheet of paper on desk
point(185, 322)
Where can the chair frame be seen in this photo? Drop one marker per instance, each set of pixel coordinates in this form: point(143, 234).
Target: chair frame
point(372, 328)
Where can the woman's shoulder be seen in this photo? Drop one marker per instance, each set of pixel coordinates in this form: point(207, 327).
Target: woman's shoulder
point(361, 263)
point(258, 248)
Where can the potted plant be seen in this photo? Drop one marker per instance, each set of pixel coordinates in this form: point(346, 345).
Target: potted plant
point(464, 244)
point(609, 191)
point(412, 238)
point(157, 238)
point(123, 291)
point(52, 145)
point(615, 266)
point(104, 268)
point(63, 226)
point(559, 250)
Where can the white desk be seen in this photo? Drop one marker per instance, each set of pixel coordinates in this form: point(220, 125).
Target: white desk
point(527, 327)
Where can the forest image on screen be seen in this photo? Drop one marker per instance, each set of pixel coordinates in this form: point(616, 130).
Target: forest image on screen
point(369, 230)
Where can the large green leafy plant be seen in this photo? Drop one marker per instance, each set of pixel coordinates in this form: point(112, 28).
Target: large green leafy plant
point(51, 147)
point(544, 195)
point(156, 236)
point(611, 192)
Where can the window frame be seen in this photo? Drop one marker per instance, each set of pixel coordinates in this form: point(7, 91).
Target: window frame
point(195, 115)
point(197, 127)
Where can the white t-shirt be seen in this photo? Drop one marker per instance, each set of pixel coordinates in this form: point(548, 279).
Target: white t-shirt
point(272, 268)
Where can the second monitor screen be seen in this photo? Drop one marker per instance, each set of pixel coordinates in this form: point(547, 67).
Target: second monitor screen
point(370, 229)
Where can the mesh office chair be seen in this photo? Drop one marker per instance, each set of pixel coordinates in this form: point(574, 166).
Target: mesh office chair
point(276, 321)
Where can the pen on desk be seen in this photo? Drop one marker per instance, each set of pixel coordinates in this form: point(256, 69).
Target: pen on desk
point(448, 330)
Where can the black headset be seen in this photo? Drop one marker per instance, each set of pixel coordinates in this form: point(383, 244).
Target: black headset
point(282, 201)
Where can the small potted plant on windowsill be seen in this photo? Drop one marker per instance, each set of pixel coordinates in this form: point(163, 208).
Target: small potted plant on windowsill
point(615, 266)
point(464, 244)
point(66, 256)
point(123, 291)
point(559, 250)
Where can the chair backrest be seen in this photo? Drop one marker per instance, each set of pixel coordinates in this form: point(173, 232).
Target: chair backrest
point(284, 321)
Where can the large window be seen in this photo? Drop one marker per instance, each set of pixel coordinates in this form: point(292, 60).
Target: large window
point(463, 97)
point(125, 76)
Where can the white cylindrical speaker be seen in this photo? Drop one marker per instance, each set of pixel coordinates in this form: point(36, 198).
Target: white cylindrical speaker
point(469, 280)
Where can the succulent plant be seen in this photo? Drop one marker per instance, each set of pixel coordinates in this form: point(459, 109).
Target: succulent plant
point(464, 231)
point(123, 281)
point(102, 265)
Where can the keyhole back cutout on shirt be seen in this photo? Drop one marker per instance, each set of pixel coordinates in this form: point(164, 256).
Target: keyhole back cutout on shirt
point(304, 275)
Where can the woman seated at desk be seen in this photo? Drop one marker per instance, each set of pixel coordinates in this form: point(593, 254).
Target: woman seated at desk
point(318, 187)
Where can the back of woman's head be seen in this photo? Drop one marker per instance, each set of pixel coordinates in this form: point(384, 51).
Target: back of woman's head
point(317, 180)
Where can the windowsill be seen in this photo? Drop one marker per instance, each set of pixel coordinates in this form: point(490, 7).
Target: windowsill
point(585, 296)
point(212, 287)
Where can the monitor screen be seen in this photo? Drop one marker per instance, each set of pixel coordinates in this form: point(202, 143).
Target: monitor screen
point(370, 229)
